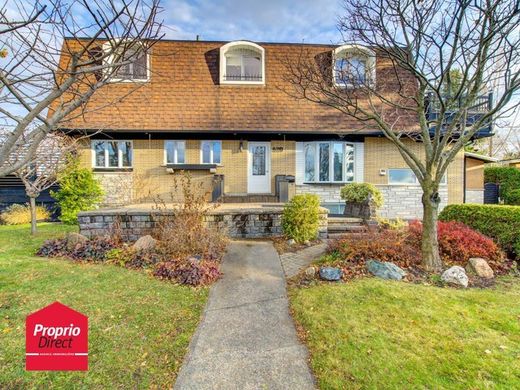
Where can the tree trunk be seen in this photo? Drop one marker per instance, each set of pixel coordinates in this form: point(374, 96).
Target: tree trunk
point(431, 259)
point(32, 202)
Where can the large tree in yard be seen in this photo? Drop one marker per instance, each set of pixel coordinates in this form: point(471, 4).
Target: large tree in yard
point(436, 62)
point(102, 39)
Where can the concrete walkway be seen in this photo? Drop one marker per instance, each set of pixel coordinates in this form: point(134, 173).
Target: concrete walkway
point(247, 339)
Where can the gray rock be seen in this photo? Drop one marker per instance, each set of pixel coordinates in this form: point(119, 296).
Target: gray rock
point(456, 276)
point(307, 243)
point(479, 267)
point(331, 273)
point(291, 242)
point(385, 270)
point(145, 243)
point(310, 272)
point(74, 239)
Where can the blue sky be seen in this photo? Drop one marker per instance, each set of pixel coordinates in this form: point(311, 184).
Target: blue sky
point(311, 21)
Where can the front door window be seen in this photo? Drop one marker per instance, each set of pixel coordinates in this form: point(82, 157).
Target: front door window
point(259, 160)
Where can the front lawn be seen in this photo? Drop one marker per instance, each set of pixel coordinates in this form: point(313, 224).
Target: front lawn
point(371, 333)
point(139, 327)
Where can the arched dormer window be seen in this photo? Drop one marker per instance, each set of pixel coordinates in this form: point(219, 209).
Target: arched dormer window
point(242, 62)
point(127, 61)
point(354, 66)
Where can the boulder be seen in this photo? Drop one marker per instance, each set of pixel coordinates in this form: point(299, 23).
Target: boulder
point(291, 242)
point(310, 272)
point(145, 243)
point(73, 239)
point(331, 273)
point(385, 270)
point(456, 276)
point(479, 267)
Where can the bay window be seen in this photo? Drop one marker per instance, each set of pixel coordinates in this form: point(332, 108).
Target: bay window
point(175, 152)
point(112, 154)
point(329, 162)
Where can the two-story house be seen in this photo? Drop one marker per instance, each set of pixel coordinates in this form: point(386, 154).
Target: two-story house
point(221, 111)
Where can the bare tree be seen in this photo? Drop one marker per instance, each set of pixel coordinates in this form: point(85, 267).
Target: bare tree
point(418, 45)
point(52, 157)
point(55, 54)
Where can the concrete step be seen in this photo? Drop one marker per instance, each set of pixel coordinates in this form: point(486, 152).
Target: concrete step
point(343, 234)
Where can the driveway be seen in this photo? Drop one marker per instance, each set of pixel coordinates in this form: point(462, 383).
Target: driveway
point(246, 339)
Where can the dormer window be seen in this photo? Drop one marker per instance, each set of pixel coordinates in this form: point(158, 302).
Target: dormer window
point(242, 62)
point(130, 62)
point(354, 66)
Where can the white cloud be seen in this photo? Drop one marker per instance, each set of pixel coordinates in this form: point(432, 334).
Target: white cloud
point(266, 20)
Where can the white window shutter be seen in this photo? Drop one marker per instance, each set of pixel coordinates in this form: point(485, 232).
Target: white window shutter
point(300, 163)
point(359, 162)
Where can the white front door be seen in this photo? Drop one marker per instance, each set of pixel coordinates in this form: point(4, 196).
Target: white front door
point(258, 168)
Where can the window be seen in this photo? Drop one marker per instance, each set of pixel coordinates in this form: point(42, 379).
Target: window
point(405, 176)
point(112, 154)
point(329, 162)
point(242, 62)
point(211, 152)
point(132, 63)
point(354, 66)
point(174, 152)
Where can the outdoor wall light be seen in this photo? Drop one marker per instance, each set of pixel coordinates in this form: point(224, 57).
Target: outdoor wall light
point(241, 146)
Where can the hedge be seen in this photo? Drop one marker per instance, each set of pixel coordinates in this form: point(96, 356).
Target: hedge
point(509, 180)
point(502, 223)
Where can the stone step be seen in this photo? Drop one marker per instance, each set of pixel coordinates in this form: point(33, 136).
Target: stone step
point(343, 234)
point(342, 220)
point(347, 228)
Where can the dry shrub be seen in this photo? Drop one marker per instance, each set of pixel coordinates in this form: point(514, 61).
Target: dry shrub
point(18, 214)
point(181, 229)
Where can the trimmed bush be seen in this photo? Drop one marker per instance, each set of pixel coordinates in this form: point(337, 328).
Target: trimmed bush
point(300, 219)
point(502, 223)
point(509, 180)
point(191, 273)
point(79, 191)
point(360, 192)
point(18, 214)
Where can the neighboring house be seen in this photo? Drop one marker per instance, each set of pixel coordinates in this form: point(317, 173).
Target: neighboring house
point(474, 176)
point(221, 111)
point(515, 162)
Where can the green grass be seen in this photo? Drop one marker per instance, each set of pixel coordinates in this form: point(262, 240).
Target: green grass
point(139, 327)
point(373, 334)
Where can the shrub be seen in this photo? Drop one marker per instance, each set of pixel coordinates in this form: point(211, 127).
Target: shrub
point(53, 248)
point(184, 233)
point(18, 214)
point(458, 243)
point(130, 258)
point(509, 180)
point(391, 245)
point(391, 224)
point(300, 218)
point(79, 191)
point(513, 197)
point(361, 192)
point(502, 223)
point(191, 272)
point(95, 249)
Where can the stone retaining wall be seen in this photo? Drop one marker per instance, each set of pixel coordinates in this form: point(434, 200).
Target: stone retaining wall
point(240, 223)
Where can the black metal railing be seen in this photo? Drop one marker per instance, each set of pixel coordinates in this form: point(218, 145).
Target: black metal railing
point(482, 104)
point(247, 77)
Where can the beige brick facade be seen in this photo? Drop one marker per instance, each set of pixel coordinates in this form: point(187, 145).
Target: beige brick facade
point(150, 180)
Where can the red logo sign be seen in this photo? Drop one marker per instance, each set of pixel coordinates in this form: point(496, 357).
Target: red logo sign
point(56, 339)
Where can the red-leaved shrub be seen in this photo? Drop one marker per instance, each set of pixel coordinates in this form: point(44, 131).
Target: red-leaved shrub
point(389, 245)
point(191, 272)
point(458, 243)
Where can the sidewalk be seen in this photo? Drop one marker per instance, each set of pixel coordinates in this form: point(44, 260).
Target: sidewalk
point(247, 339)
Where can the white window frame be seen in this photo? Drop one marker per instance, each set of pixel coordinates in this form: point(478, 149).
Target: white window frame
point(316, 146)
point(110, 60)
point(359, 51)
point(210, 152)
point(240, 45)
point(176, 143)
point(443, 181)
point(119, 154)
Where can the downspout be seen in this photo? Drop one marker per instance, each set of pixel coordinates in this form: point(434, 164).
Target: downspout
point(464, 185)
